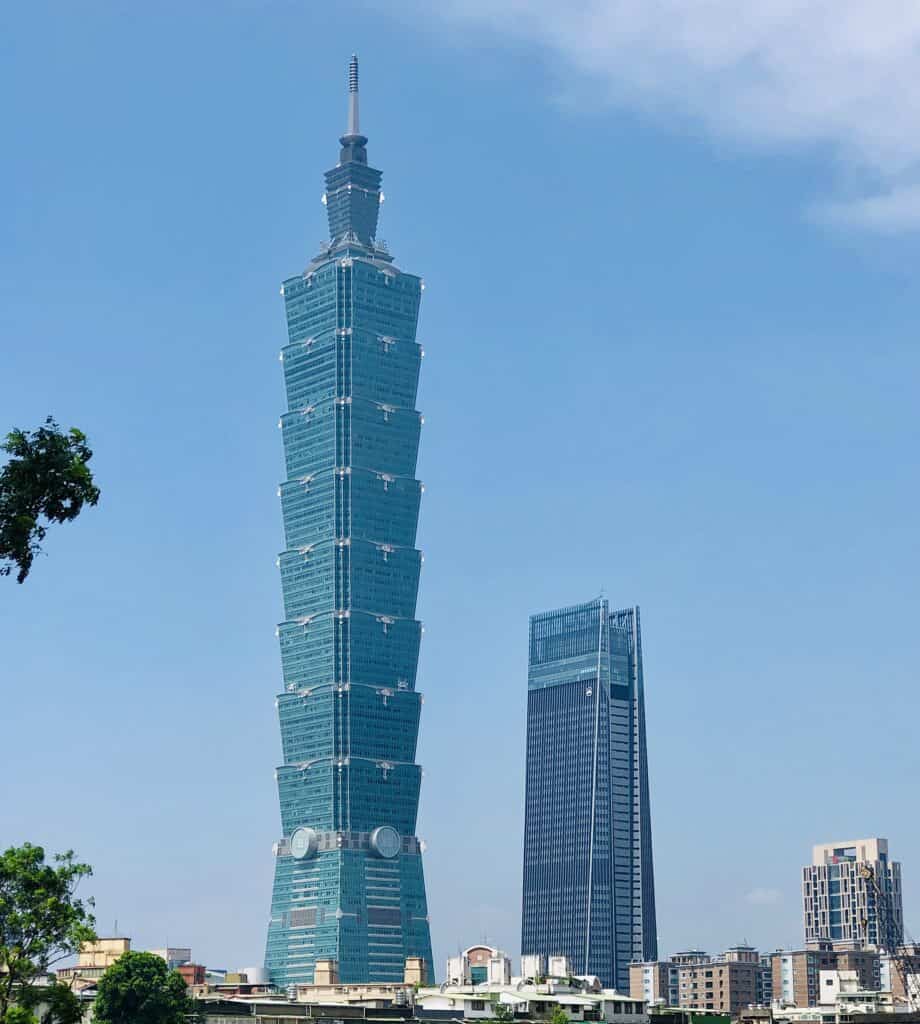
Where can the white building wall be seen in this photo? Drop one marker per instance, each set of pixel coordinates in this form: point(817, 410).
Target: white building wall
point(533, 965)
point(458, 970)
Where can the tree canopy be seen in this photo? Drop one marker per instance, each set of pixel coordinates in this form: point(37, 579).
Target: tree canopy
point(53, 1004)
point(41, 919)
point(502, 1012)
point(139, 988)
point(46, 480)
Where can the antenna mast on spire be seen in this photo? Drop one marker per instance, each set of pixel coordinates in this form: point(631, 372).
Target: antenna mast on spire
point(353, 127)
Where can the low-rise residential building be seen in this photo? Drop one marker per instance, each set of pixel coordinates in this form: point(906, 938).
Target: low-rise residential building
point(528, 1001)
point(252, 984)
point(765, 981)
point(279, 1010)
point(726, 985)
point(656, 982)
point(374, 995)
point(796, 973)
point(796, 980)
point(864, 963)
point(841, 1000)
point(692, 979)
point(843, 990)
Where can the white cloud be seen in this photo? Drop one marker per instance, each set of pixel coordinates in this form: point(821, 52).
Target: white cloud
point(840, 73)
point(763, 897)
point(889, 212)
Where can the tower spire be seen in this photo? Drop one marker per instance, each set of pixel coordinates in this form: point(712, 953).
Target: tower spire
point(353, 128)
point(352, 187)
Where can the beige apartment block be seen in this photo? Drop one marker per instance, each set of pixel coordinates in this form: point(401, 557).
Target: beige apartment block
point(863, 963)
point(92, 961)
point(728, 985)
point(652, 981)
point(796, 974)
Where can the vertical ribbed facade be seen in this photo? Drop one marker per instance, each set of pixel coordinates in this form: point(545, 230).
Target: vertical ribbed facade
point(348, 875)
point(842, 889)
point(589, 889)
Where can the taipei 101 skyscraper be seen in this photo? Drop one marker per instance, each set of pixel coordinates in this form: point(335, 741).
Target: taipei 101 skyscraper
point(348, 882)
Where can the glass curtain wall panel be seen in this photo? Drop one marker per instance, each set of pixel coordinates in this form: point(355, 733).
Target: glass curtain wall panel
point(589, 891)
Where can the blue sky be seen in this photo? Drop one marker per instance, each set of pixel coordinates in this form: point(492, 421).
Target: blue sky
point(670, 333)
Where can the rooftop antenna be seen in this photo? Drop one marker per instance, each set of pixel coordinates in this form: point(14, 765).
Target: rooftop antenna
point(353, 127)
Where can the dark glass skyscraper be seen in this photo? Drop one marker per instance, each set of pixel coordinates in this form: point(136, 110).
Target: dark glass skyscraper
point(348, 874)
point(589, 889)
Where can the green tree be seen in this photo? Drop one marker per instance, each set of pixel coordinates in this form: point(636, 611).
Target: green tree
point(559, 1016)
point(502, 1012)
point(41, 919)
point(54, 1004)
point(18, 1015)
point(139, 988)
point(45, 480)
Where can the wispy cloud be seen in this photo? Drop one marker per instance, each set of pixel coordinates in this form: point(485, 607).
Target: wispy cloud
point(888, 212)
point(763, 897)
point(840, 73)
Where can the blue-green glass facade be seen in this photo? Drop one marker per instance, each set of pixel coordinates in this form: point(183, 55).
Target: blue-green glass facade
point(348, 882)
point(589, 889)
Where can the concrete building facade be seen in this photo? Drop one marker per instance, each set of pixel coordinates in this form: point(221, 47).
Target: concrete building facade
point(796, 974)
point(477, 965)
point(92, 961)
point(656, 982)
point(726, 985)
point(692, 979)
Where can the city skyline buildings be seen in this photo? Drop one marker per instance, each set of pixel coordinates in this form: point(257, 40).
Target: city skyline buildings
point(349, 884)
point(588, 879)
point(204, 254)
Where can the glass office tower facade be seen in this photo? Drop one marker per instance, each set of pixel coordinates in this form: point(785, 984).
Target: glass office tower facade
point(589, 888)
point(348, 871)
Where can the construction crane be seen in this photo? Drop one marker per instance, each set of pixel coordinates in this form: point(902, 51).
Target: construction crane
point(890, 932)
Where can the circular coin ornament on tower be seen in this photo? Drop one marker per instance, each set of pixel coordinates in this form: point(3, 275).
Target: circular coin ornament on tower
point(304, 843)
point(386, 842)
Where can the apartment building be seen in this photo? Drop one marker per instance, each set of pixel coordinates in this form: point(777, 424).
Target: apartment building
point(839, 903)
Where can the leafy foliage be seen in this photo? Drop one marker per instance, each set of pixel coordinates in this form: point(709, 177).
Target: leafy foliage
point(559, 1016)
point(41, 919)
point(55, 1004)
point(139, 988)
point(46, 479)
point(502, 1012)
point(18, 1015)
